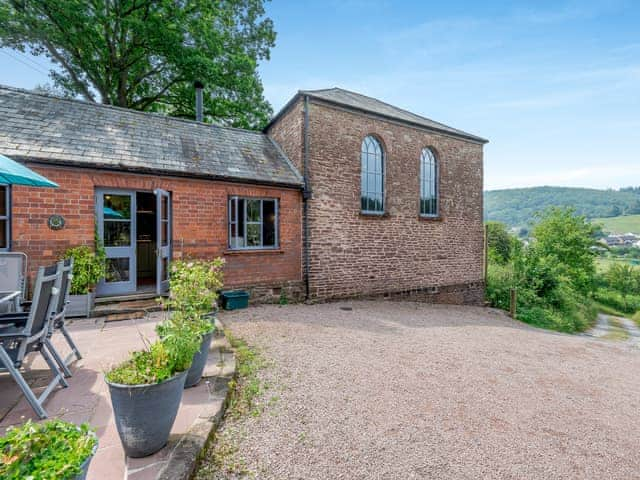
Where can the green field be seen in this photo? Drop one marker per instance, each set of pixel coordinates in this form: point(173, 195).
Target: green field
point(604, 263)
point(623, 224)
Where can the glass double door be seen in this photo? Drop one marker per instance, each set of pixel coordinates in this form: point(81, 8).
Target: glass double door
point(118, 216)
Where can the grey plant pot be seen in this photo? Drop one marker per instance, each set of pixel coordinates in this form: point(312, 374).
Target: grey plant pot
point(80, 305)
point(199, 362)
point(144, 414)
point(84, 468)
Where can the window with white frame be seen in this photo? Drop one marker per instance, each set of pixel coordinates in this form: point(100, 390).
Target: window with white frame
point(253, 223)
point(428, 183)
point(372, 177)
point(5, 217)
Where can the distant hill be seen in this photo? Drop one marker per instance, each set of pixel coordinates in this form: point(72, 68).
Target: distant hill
point(516, 206)
point(619, 225)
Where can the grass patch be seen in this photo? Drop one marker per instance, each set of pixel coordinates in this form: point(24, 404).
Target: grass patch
point(222, 459)
point(602, 308)
point(621, 224)
point(636, 318)
point(617, 332)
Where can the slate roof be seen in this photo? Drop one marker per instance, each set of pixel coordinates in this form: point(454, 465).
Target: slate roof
point(49, 129)
point(363, 103)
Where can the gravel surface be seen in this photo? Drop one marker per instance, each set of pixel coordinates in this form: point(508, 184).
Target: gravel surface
point(402, 390)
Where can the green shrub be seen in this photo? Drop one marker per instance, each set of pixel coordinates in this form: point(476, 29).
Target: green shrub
point(628, 304)
point(88, 268)
point(49, 450)
point(162, 359)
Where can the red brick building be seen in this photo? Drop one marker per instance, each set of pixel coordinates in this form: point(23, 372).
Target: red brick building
point(340, 196)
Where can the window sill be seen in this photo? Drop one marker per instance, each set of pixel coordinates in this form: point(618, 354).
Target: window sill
point(373, 214)
point(254, 251)
point(430, 218)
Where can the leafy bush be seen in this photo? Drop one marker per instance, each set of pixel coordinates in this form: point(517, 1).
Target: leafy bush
point(552, 274)
point(88, 268)
point(161, 360)
point(628, 304)
point(194, 292)
point(49, 450)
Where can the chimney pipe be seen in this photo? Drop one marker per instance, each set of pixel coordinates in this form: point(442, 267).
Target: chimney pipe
point(199, 86)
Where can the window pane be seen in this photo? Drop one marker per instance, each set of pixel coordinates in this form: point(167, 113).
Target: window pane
point(164, 207)
point(117, 207)
point(117, 234)
point(3, 201)
point(253, 210)
point(372, 180)
point(117, 270)
point(165, 233)
point(4, 241)
point(253, 235)
point(269, 223)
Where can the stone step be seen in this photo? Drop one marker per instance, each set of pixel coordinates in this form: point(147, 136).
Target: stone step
point(124, 310)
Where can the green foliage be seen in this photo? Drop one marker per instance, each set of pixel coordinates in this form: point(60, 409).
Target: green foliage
point(517, 207)
point(88, 267)
point(52, 450)
point(283, 300)
point(499, 241)
point(563, 240)
point(172, 354)
point(194, 287)
point(627, 304)
point(145, 54)
point(144, 367)
point(552, 274)
point(624, 278)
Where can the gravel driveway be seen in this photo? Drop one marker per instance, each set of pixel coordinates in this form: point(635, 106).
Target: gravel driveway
point(402, 390)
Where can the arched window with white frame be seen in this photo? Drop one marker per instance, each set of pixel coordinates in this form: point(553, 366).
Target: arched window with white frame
point(372, 179)
point(428, 183)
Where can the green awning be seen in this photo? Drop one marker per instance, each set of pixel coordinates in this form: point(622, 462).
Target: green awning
point(14, 173)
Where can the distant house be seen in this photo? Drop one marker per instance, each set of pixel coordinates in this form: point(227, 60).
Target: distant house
point(626, 240)
point(341, 196)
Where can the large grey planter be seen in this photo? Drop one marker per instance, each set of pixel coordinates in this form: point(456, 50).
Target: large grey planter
point(80, 305)
point(144, 414)
point(199, 362)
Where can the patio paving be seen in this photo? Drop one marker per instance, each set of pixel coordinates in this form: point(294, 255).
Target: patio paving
point(102, 345)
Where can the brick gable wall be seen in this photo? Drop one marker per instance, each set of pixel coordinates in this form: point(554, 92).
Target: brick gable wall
point(400, 254)
point(199, 224)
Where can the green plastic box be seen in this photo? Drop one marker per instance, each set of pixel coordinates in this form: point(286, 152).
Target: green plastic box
point(235, 299)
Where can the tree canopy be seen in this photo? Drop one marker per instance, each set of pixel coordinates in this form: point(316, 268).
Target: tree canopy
point(146, 54)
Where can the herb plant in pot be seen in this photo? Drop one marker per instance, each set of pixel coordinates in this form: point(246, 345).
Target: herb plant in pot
point(88, 270)
point(147, 388)
point(50, 450)
point(194, 290)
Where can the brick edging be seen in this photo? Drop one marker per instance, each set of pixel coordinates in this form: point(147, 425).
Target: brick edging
point(186, 455)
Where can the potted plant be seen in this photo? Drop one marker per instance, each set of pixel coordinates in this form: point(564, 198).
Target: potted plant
point(147, 388)
point(192, 304)
point(49, 450)
point(88, 269)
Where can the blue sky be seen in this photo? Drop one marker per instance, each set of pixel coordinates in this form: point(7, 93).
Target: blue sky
point(554, 85)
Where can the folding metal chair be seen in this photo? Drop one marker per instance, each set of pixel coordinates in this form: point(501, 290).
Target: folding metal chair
point(16, 342)
point(13, 277)
point(65, 269)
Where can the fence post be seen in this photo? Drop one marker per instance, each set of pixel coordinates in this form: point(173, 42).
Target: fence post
point(513, 302)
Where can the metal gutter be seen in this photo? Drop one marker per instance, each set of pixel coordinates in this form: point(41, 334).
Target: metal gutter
point(306, 196)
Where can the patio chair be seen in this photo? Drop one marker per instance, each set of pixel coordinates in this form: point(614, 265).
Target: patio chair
point(13, 277)
point(16, 342)
point(65, 269)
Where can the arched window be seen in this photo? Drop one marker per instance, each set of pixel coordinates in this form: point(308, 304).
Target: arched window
point(372, 181)
point(428, 183)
